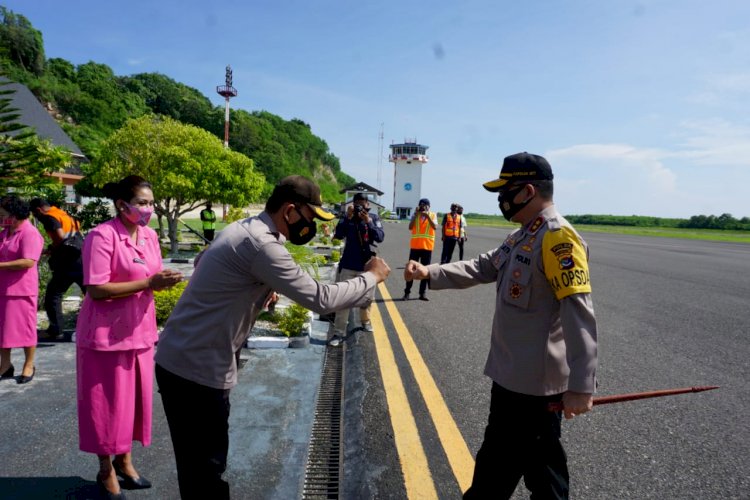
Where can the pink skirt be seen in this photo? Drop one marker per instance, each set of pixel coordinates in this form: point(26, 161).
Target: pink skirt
point(115, 396)
point(17, 321)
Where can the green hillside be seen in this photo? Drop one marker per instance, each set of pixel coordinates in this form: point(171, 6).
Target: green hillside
point(91, 102)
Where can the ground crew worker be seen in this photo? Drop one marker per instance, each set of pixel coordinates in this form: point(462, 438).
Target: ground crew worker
point(64, 260)
point(422, 227)
point(235, 278)
point(208, 218)
point(544, 338)
point(464, 236)
point(451, 233)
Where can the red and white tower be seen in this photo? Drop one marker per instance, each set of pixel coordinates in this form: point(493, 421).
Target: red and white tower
point(227, 91)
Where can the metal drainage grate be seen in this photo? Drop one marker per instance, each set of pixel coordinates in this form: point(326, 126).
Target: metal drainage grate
point(324, 455)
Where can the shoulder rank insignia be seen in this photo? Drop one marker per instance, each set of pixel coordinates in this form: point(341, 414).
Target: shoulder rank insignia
point(534, 227)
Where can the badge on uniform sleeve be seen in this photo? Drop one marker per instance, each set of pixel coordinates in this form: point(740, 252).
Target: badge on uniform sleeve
point(564, 255)
point(565, 261)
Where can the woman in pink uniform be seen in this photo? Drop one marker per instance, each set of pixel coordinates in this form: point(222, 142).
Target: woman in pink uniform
point(20, 248)
point(116, 333)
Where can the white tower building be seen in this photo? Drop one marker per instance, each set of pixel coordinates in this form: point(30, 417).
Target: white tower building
point(407, 159)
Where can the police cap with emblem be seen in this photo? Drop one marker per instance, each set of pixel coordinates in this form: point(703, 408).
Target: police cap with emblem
point(301, 189)
point(521, 167)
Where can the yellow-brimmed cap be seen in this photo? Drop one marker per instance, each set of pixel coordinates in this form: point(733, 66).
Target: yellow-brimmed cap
point(521, 167)
point(301, 189)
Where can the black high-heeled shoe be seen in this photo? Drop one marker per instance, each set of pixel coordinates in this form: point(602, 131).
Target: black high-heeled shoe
point(23, 379)
point(105, 493)
point(8, 373)
point(130, 482)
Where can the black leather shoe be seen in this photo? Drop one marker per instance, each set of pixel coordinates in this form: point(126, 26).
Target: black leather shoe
point(423, 297)
point(9, 372)
point(23, 379)
point(132, 483)
point(105, 493)
point(406, 296)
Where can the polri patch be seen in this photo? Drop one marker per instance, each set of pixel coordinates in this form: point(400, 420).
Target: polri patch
point(564, 254)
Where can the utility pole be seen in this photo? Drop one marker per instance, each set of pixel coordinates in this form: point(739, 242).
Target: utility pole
point(380, 158)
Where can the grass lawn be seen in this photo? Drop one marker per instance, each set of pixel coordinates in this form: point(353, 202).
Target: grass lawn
point(663, 232)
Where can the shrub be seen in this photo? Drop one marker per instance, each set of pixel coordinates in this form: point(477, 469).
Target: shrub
point(165, 300)
point(92, 213)
point(45, 274)
point(335, 256)
point(234, 214)
point(293, 320)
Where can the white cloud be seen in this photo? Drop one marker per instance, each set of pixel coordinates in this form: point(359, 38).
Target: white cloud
point(135, 62)
point(626, 179)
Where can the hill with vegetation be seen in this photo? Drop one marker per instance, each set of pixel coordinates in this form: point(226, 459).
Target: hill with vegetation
point(91, 102)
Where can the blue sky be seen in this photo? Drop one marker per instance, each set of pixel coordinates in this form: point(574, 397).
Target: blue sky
point(641, 107)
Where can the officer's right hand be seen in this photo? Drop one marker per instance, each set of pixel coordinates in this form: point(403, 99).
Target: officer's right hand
point(379, 268)
point(415, 271)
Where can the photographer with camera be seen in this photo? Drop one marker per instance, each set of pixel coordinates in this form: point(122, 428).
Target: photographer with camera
point(422, 226)
point(360, 230)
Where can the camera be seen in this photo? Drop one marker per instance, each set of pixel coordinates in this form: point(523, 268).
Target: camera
point(359, 210)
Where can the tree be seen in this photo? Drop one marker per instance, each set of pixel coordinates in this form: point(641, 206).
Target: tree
point(26, 161)
point(21, 41)
point(186, 166)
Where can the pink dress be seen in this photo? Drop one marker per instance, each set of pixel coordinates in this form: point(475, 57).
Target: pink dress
point(115, 341)
point(19, 288)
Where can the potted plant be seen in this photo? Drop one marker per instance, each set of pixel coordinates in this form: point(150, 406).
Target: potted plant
point(295, 324)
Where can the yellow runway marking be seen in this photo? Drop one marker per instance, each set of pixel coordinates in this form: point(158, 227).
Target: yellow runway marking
point(459, 456)
point(417, 478)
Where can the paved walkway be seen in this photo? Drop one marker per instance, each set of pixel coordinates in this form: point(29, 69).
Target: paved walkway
point(270, 424)
point(271, 418)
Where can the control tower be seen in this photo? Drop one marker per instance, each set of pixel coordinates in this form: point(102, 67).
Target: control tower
point(407, 159)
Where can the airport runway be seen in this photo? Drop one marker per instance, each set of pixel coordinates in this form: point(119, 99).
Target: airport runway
point(671, 313)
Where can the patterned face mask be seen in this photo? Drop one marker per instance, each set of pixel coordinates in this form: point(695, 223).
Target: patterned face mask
point(139, 216)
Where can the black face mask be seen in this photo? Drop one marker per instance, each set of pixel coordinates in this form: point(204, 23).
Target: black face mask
point(302, 231)
point(506, 204)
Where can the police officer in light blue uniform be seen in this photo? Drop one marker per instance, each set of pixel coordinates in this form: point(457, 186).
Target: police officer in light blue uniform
point(544, 337)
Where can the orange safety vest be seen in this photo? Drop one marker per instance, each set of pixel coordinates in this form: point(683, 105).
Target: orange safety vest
point(452, 227)
point(70, 226)
point(422, 234)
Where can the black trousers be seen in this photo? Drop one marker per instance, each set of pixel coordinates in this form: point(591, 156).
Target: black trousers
point(460, 249)
point(198, 418)
point(209, 234)
point(522, 439)
point(449, 244)
point(66, 270)
point(424, 257)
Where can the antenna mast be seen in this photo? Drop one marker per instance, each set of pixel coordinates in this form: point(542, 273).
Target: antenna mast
point(380, 159)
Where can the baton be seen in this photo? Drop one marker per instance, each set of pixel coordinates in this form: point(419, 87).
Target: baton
point(620, 398)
